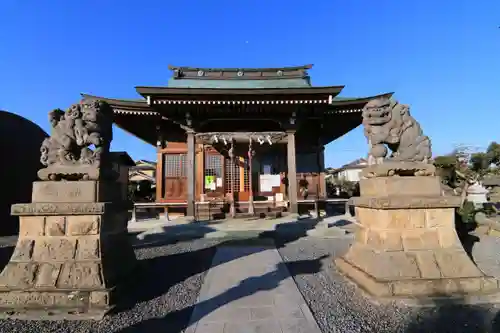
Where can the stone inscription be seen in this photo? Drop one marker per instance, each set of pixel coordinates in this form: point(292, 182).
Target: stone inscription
point(16, 299)
point(59, 208)
point(70, 191)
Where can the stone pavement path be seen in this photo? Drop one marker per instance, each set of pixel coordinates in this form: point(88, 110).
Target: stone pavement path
point(248, 289)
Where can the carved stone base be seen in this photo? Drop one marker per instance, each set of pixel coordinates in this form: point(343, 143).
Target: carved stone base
point(70, 257)
point(407, 246)
point(391, 168)
point(76, 172)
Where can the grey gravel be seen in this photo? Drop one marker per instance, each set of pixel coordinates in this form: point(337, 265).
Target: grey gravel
point(169, 278)
point(340, 307)
point(160, 299)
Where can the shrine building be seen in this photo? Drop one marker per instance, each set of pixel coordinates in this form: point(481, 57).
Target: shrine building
point(245, 136)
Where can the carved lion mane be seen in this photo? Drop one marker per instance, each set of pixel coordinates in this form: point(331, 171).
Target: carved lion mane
point(389, 124)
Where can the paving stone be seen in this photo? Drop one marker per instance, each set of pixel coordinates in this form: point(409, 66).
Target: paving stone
point(249, 290)
point(256, 326)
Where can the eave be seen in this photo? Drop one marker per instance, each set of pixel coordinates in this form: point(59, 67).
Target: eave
point(140, 119)
point(137, 118)
point(237, 69)
point(124, 105)
point(220, 93)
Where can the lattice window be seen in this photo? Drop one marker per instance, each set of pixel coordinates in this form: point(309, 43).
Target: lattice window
point(232, 173)
point(174, 165)
point(213, 165)
point(246, 173)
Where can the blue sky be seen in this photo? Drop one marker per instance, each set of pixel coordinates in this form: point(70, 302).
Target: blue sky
point(441, 57)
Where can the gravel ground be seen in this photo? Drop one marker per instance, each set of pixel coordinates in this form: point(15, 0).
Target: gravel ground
point(160, 300)
point(169, 278)
point(339, 307)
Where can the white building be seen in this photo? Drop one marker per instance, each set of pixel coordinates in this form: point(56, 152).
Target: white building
point(349, 172)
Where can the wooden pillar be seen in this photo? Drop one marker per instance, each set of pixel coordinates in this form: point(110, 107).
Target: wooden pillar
point(191, 174)
point(160, 179)
point(250, 179)
point(320, 149)
point(200, 171)
point(232, 209)
point(292, 172)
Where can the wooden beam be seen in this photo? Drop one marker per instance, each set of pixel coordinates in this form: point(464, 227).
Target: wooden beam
point(292, 172)
point(241, 137)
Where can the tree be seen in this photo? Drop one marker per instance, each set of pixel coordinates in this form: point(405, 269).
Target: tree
point(445, 161)
point(493, 152)
point(479, 163)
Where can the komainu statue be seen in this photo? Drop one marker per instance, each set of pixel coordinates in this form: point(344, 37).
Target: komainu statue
point(67, 153)
point(389, 124)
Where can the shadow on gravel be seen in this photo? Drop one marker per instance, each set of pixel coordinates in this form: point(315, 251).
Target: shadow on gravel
point(155, 276)
point(177, 321)
point(179, 233)
point(450, 316)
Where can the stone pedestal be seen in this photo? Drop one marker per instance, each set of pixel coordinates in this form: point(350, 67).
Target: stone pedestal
point(72, 253)
point(408, 247)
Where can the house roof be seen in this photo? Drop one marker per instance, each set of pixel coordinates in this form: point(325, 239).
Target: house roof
point(138, 162)
point(143, 175)
point(359, 163)
point(123, 157)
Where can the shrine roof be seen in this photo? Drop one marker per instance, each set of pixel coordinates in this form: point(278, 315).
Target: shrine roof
point(240, 78)
point(141, 105)
point(214, 92)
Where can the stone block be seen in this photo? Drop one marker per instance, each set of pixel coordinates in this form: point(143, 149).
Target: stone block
point(400, 186)
point(420, 239)
point(87, 248)
point(371, 218)
point(383, 265)
point(413, 288)
point(406, 202)
point(440, 217)
point(384, 240)
point(18, 275)
point(27, 299)
point(47, 275)
point(456, 264)
point(68, 208)
point(427, 264)
point(364, 280)
point(361, 235)
point(54, 249)
point(75, 191)
point(461, 286)
point(23, 250)
point(83, 225)
point(406, 219)
point(448, 238)
point(99, 298)
point(55, 225)
point(31, 226)
point(489, 284)
point(80, 275)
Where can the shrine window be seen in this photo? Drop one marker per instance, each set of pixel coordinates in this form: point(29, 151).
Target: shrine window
point(232, 176)
point(174, 165)
point(213, 165)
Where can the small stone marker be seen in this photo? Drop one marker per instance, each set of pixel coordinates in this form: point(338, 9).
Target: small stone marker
point(73, 248)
